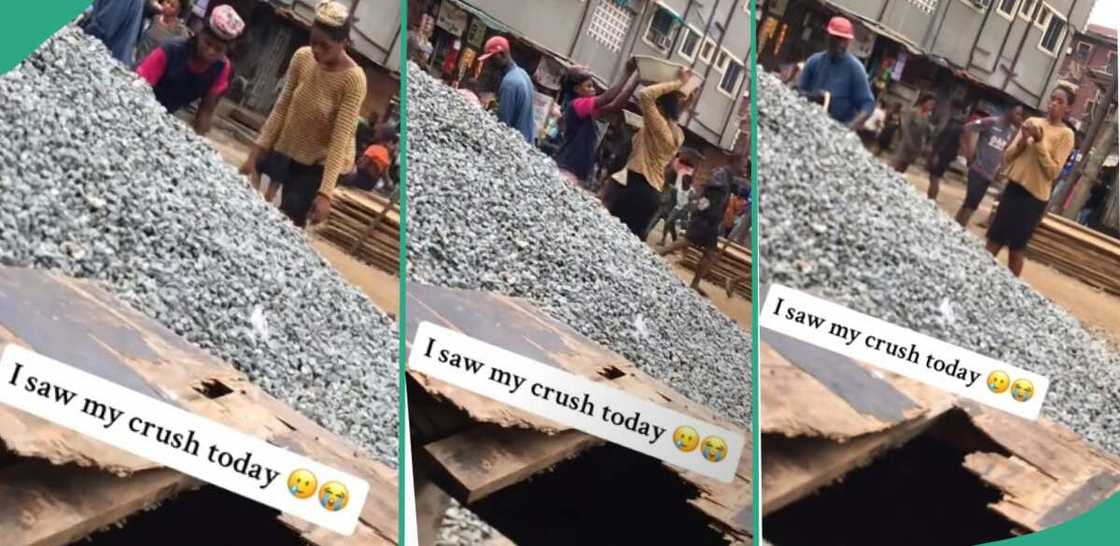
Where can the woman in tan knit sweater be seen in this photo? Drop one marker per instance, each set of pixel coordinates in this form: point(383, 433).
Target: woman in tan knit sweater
point(308, 140)
point(1034, 160)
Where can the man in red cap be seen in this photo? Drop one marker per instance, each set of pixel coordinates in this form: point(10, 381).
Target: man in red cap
point(841, 75)
point(515, 93)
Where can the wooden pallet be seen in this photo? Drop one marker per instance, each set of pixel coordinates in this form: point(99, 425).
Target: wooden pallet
point(482, 446)
point(365, 225)
point(828, 415)
point(1075, 250)
point(65, 486)
point(731, 270)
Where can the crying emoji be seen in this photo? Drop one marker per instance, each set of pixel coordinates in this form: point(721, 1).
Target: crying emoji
point(1022, 390)
point(686, 438)
point(714, 449)
point(301, 483)
point(333, 496)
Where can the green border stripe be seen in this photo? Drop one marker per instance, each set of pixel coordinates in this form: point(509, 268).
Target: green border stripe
point(402, 304)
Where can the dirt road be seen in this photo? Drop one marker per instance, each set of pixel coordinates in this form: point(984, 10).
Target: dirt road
point(1100, 311)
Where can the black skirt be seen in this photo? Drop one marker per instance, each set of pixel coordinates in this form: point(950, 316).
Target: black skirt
point(1017, 216)
point(300, 188)
point(635, 203)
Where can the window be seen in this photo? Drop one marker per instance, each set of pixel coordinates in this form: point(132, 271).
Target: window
point(928, 6)
point(707, 51)
point(978, 5)
point(1043, 16)
point(662, 30)
point(690, 43)
point(1028, 8)
point(1111, 60)
point(722, 60)
point(609, 25)
point(731, 77)
point(1006, 8)
point(1082, 51)
point(1054, 35)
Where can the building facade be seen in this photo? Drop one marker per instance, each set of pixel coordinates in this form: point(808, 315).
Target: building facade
point(1008, 51)
point(713, 37)
point(1091, 51)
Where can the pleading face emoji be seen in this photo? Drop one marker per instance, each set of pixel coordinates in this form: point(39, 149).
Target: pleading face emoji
point(998, 381)
point(334, 496)
point(302, 483)
point(686, 438)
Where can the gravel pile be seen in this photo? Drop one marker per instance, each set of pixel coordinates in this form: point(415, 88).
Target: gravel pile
point(97, 181)
point(461, 527)
point(837, 223)
point(489, 212)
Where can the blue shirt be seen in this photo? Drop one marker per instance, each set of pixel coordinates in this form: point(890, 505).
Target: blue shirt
point(844, 78)
point(515, 101)
point(117, 24)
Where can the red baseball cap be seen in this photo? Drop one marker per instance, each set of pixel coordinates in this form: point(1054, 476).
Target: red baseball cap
point(841, 28)
point(495, 44)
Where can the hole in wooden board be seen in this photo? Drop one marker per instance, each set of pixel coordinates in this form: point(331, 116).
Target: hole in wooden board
point(611, 372)
point(213, 389)
point(918, 494)
point(207, 516)
point(606, 495)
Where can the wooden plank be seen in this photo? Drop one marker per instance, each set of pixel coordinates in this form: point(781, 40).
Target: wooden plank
point(863, 391)
point(174, 371)
point(49, 505)
point(485, 459)
point(1091, 493)
point(793, 468)
point(784, 395)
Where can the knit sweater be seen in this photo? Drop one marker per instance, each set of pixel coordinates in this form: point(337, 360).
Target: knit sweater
point(316, 116)
point(1036, 164)
point(659, 139)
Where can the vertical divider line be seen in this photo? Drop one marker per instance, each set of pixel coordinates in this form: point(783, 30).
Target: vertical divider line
point(756, 193)
point(403, 453)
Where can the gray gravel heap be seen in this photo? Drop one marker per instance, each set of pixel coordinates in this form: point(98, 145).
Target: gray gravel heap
point(98, 181)
point(489, 212)
point(837, 223)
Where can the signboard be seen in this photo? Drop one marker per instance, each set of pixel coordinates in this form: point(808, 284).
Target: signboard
point(477, 33)
point(542, 105)
point(452, 19)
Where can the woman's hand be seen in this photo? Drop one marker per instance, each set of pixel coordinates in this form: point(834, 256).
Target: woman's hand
point(249, 167)
point(320, 209)
point(684, 74)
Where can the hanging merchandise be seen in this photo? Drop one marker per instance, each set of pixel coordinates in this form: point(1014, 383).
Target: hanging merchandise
point(452, 19)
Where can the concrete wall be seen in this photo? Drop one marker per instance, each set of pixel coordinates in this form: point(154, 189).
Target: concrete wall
point(552, 23)
point(376, 34)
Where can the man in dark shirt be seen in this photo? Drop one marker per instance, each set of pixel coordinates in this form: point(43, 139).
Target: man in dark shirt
point(985, 155)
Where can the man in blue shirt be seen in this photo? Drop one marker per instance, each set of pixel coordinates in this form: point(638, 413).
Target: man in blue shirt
point(117, 24)
point(841, 75)
point(515, 94)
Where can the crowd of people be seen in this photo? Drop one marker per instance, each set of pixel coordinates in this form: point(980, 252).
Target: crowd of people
point(1029, 156)
point(591, 142)
point(312, 135)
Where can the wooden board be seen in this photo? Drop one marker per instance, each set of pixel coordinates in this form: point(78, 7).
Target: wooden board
point(1047, 475)
point(136, 347)
point(731, 269)
point(1075, 250)
point(365, 225)
point(485, 459)
point(1050, 476)
point(482, 463)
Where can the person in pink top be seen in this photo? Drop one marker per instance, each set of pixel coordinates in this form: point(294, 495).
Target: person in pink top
point(581, 107)
point(184, 71)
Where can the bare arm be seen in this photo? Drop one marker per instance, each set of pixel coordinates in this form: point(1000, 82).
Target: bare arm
point(609, 95)
point(204, 118)
point(620, 99)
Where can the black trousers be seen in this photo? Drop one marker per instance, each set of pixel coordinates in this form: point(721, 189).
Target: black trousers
point(636, 203)
point(300, 188)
